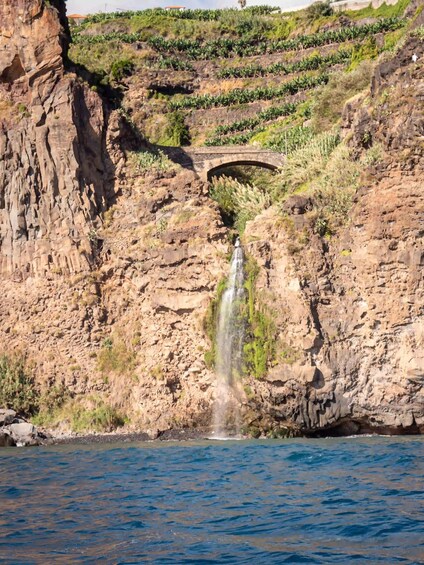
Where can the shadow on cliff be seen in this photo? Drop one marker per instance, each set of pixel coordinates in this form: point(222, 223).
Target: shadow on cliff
point(111, 95)
point(177, 155)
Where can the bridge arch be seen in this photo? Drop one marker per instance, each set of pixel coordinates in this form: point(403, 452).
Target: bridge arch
point(206, 161)
point(222, 164)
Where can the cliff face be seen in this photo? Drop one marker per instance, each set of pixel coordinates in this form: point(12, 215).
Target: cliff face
point(56, 171)
point(350, 308)
point(107, 272)
point(74, 292)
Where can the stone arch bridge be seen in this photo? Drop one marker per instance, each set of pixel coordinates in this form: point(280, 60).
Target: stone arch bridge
point(206, 161)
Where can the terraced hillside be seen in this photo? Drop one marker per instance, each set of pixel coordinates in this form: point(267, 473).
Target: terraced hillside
point(221, 77)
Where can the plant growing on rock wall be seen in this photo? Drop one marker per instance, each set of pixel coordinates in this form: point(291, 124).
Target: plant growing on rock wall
point(333, 190)
point(100, 417)
point(115, 357)
point(177, 133)
point(259, 350)
point(238, 200)
point(121, 69)
point(18, 389)
point(148, 161)
point(210, 322)
point(261, 332)
point(327, 109)
point(306, 163)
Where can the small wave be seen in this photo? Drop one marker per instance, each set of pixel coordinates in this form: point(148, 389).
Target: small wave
point(225, 438)
point(239, 502)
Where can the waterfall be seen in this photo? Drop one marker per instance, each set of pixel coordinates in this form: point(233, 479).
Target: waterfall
point(229, 348)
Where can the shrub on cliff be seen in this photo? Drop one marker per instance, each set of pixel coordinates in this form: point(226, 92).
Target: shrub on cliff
point(100, 418)
point(318, 10)
point(17, 386)
point(329, 104)
point(146, 161)
point(121, 69)
point(241, 201)
point(309, 161)
point(177, 133)
point(333, 190)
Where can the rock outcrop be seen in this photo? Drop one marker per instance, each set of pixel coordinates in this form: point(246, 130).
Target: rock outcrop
point(15, 431)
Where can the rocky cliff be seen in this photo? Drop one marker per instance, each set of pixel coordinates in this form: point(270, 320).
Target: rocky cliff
point(108, 270)
point(351, 306)
point(56, 168)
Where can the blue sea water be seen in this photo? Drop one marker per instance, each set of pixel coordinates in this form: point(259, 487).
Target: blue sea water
point(352, 500)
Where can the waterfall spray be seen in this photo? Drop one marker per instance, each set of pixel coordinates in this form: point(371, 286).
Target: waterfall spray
point(229, 348)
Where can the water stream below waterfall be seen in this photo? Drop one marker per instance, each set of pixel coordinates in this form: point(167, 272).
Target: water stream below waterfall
point(229, 349)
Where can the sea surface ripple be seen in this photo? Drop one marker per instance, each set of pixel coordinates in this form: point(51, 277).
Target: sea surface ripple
point(352, 500)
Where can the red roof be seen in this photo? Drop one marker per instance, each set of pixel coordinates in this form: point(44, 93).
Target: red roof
point(77, 17)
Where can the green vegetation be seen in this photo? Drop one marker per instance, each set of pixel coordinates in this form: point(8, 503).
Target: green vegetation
point(312, 63)
point(418, 32)
point(260, 347)
point(384, 11)
point(210, 323)
point(18, 389)
point(264, 116)
point(239, 201)
point(319, 10)
point(250, 124)
point(115, 357)
point(176, 133)
point(146, 161)
point(172, 40)
point(88, 414)
point(260, 342)
point(52, 399)
point(290, 139)
point(334, 188)
point(242, 47)
point(278, 135)
point(196, 14)
point(329, 103)
point(97, 59)
point(100, 418)
point(237, 139)
point(307, 162)
point(121, 69)
point(363, 52)
point(242, 96)
point(224, 48)
point(173, 63)
point(23, 110)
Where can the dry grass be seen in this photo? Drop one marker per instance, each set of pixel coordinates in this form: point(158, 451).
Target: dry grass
point(221, 87)
point(8, 111)
point(329, 104)
point(309, 161)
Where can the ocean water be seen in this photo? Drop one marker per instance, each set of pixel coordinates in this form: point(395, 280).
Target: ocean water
point(352, 500)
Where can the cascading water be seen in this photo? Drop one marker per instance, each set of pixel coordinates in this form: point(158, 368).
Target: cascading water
point(229, 348)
